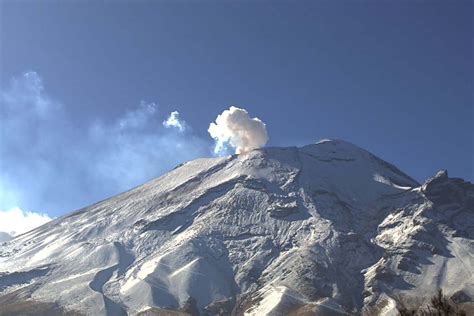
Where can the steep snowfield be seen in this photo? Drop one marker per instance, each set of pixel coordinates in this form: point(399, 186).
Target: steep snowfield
point(325, 229)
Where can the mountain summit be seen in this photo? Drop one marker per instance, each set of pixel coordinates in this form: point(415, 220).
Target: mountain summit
point(325, 229)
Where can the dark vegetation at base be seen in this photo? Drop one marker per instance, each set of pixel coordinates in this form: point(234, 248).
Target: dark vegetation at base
point(162, 312)
point(439, 305)
point(31, 308)
point(17, 303)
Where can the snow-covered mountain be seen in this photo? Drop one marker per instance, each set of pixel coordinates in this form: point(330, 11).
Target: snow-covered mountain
point(324, 229)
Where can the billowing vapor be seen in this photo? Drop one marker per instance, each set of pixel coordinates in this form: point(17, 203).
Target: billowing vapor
point(236, 128)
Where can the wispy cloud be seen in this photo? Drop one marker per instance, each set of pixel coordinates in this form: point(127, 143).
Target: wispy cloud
point(173, 121)
point(51, 163)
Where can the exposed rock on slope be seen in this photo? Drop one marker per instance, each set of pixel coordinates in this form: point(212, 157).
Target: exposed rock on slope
point(326, 228)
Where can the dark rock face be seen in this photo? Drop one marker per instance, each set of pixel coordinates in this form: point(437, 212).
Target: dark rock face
point(453, 203)
point(461, 297)
point(444, 190)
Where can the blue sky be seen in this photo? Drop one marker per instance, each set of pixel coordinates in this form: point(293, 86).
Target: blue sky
point(395, 78)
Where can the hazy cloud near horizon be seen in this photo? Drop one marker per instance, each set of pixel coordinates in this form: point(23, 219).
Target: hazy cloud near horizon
point(52, 164)
point(15, 222)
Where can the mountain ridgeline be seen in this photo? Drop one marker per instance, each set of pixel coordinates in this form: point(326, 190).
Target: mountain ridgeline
point(325, 229)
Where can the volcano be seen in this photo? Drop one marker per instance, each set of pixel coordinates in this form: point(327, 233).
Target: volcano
point(324, 229)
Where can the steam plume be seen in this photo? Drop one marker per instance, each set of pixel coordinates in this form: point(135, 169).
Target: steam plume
point(234, 127)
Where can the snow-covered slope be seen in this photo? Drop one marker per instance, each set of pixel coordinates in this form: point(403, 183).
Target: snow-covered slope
point(324, 229)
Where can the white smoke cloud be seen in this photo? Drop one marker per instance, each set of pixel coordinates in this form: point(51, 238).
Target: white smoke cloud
point(234, 127)
point(174, 121)
point(15, 221)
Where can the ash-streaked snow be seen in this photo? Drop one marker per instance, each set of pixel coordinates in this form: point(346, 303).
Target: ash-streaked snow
point(326, 228)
